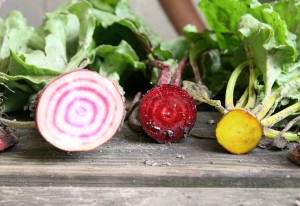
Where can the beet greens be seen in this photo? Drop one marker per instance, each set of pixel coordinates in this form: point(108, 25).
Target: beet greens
point(258, 44)
point(33, 60)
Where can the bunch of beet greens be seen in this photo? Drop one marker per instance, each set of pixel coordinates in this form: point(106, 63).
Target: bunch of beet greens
point(71, 73)
point(261, 42)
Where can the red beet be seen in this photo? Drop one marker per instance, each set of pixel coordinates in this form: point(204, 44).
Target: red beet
point(167, 113)
point(7, 139)
point(79, 111)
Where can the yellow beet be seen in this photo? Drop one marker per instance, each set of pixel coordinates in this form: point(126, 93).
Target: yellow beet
point(239, 131)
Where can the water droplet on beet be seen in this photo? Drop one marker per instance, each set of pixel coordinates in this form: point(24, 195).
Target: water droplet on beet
point(170, 133)
point(149, 123)
point(156, 128)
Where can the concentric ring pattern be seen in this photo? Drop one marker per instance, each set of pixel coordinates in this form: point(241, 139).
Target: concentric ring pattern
point(79, 111)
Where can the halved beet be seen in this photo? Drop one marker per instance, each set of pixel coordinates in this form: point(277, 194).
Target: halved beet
point(79, 111)
point(167, 113)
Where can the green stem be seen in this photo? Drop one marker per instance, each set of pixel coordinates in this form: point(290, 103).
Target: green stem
point(18, 124)
point(3, 84)
point(271, 120)
point(252, 95)
point(252, 77)
point(201, 93)
point(290, 125)
point(231, 84)
point(289, 136)
point(243, 100)
point(263, 108)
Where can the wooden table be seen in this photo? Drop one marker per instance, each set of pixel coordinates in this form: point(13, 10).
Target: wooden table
point(132, 169)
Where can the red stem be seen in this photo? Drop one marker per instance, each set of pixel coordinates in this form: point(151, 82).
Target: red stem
point(7, 139)
point(165, 70)
point(178, 74)
point(133, 119)
point(196, 71)
point(145, 46)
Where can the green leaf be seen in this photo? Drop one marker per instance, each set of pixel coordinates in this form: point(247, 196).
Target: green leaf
point(14, 36)
point(172, 49)
point(14, 101)
point(269, 56)
point(291, 18)
point(54, 55)
point(84, 11)
point(118, 61)
point(17, 90)
point(224, 17)
point(18, 66)
point(104, 5)
point(124, 25)
point(206, 56)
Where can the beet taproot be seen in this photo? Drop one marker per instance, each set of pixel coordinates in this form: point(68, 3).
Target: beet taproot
point(239, 131)
point(7, 139)
point(79, 111)
point(167, 113)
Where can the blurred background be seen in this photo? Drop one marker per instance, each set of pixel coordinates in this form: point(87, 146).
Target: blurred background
point(150, 10)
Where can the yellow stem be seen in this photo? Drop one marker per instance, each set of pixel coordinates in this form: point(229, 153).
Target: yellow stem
point(271, 120)
point(289, 136)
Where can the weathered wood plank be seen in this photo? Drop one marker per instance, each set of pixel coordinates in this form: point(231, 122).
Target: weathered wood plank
point(147, 196)
point(133, 159)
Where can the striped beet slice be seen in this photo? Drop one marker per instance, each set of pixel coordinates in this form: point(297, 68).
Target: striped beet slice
point(79, 111)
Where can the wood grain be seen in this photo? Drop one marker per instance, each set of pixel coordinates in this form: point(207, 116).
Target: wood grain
point(147, 196)
point(133, 159)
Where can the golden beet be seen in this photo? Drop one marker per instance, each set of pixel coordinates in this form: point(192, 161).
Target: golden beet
point(239, 131)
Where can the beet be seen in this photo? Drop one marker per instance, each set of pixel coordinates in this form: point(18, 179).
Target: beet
point(7, 139)
point(167, 113)
point(79, 111)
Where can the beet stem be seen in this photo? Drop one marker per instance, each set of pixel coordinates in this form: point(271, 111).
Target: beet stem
point(7, 139)
point(84, 63)
point(201, 93)
point(145, 46)
point(135, 102)
point(243, 99)
point(178, 74)
point(17, 124)
point(288, 126)
point(231, 85)
point(277, 117)
point(165, 70)
point(133, 121)
point(196, 71)
point(271, 134)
